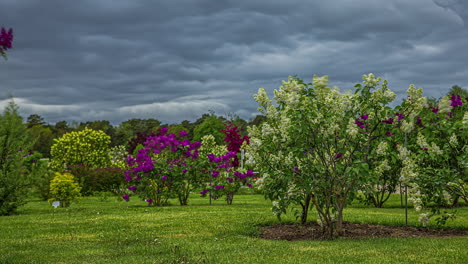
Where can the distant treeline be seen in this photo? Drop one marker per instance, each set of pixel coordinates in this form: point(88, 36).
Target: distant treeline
point(44, 133)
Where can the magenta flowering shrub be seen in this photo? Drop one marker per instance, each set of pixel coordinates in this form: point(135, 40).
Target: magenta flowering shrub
point(234, 141)
point(226, 180)
point(167, 166)
point(6, 38)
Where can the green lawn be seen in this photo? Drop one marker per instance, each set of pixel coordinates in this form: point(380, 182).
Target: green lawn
point(119, 232)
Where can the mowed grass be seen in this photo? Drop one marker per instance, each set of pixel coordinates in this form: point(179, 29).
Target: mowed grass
point(94, 231)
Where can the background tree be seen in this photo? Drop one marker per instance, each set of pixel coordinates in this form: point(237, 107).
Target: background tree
point(60, 128)
point(128, 129)
point(14, 144)
point(103, 125)
point(457, 90)
point(42, 139)
point(257, 120)
point(35, 120)
point(210, 126)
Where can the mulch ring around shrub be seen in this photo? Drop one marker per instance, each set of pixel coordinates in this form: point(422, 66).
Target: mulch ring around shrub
point(312, 231)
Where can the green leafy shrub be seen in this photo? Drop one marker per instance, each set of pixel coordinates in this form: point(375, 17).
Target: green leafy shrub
point(63, 188)
point(40, 173)
point(14, 142)
point(99, 179)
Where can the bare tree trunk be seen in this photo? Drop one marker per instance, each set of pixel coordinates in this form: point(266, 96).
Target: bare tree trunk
point(305, 208)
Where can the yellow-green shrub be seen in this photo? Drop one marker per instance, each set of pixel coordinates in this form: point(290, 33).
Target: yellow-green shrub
point(63, 188)
point(87, 147)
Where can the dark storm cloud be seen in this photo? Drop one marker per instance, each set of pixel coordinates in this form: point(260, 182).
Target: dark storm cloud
point(174, 60)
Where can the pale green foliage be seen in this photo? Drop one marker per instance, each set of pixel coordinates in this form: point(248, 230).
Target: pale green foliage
point(88, 147)
point(63, 188)
point(14, 143)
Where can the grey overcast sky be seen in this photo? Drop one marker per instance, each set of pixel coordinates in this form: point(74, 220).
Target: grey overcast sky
point(177, 59)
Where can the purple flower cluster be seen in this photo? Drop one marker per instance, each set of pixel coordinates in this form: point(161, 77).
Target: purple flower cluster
point(360, 122)
point(218, 187)
point(6, 38)
point(178, 152)
point(400, 116)
point(242, 176)
point(223, 161)
point(456, 100)
point(388, 121)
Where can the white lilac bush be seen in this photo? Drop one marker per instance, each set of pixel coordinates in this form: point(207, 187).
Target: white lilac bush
point(319, 145)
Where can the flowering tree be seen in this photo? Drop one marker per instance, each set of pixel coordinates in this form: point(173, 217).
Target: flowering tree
point(434, 160)
point(6, 38)
point(393, 136)
point(168, 165)
point(316, 146)
point(226, 178)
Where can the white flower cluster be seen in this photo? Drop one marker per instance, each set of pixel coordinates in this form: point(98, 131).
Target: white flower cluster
point(345, 103)
point(320, 82)
point(382, 148)
point(435, 149)
point(370, 80)
point(465, 118)
point(255, 142)
point(417, 203)
point(383, 166)
point(417, 102)
point(260, 183)
point(404, 153)
point(407, 126)
point(453, 141)
point(284, 125)
point(383, 94)
point(444, 105)
point(408, 171)
point(330, 129)
point(352, 129)
point(424, 219)
point(262, 99)
point(289, 92)
point(267, 130)
point(422, 143)
point(289, 159)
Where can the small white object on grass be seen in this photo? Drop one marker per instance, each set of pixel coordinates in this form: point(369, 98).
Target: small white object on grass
point(56, 204)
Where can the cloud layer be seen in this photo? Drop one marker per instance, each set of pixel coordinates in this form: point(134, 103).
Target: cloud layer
point(175, 60)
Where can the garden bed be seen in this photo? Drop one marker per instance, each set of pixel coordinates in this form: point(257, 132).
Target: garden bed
point(312, 231)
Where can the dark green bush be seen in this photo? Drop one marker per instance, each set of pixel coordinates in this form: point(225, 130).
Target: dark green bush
point(98, 180)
